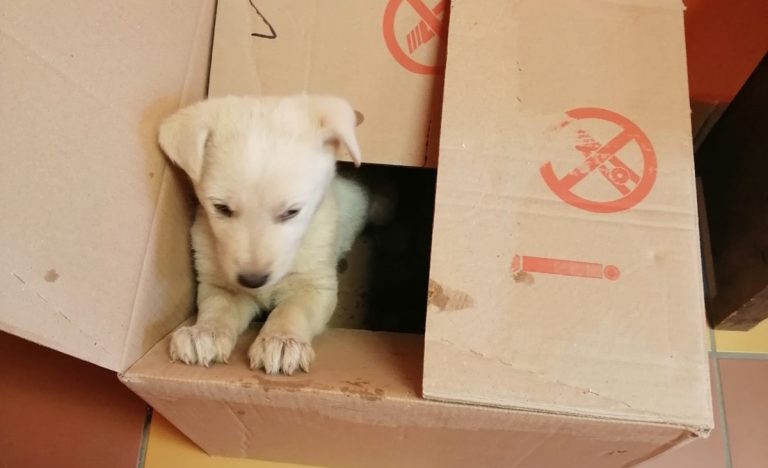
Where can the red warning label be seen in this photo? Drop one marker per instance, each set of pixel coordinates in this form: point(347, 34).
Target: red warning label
point(631, 182)
point(428, 25)
point(557, 266)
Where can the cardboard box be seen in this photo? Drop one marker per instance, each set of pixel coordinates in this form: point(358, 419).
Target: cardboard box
point(94, 245)
point(569, 333)
point(361, 407)
point(382, 56)
point(566, 244)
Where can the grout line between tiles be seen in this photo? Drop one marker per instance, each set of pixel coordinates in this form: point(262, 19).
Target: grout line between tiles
point(144, 438)
point(720, 401)
point(745, 356)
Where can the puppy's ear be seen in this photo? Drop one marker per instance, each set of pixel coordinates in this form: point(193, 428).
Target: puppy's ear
point(183, 137)
point(337, 124)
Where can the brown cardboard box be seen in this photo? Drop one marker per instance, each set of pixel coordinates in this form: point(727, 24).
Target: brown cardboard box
point(361, 407)
point(382, 56)
point(566, 247)
point(94, 244)
point(576, 336)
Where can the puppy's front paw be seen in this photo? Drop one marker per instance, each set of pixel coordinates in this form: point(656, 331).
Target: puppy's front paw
point(202, 345)
point(281, 353)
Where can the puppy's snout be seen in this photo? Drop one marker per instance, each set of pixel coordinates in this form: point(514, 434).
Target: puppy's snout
point(252, 280)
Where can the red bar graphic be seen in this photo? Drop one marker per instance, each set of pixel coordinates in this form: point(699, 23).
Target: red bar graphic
point(429, 26)
point(556, 266)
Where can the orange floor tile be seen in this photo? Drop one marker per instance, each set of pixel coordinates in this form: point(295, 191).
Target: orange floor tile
point(57, 411)
point(745, 394)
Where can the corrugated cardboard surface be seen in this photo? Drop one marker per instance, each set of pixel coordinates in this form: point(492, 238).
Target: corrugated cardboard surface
point(95, 244)
point(360, 407)
point(345, 48)
point(628, 344)
point(83, 88)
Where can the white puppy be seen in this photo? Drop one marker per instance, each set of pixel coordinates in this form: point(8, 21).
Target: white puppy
point(272, 224)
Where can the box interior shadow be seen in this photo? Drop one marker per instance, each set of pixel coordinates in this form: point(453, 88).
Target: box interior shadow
point(383, 280)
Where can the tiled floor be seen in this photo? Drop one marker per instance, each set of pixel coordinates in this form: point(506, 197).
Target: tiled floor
point(170, 448)
point(58, 411)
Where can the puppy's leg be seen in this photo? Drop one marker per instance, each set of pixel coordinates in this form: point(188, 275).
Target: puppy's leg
point(285, 341)
point(221, 318)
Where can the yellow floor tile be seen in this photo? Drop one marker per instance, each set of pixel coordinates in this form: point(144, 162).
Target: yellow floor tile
point(752, 341)
point(169, 448)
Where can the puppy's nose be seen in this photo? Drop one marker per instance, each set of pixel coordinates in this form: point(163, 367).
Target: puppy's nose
point(252, 280)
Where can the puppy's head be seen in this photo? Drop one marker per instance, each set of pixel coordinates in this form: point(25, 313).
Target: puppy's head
point(260, 167)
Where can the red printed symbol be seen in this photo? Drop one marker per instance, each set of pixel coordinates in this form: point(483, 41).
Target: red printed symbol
point(430, 25)
point(554, 266)
point(632, 186)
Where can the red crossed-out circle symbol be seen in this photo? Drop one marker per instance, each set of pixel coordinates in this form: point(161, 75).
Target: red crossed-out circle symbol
point(632, 186)
point(430, 26)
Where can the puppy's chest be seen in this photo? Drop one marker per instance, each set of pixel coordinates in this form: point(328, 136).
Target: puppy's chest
point(269, 297)
point(265, 298)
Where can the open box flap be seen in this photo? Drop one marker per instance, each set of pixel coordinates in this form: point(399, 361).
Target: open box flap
point(379, 55)
point(565, 270)
point(84, 88)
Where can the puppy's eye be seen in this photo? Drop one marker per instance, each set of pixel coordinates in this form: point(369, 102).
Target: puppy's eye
point(223, 210)
point(289, 214)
